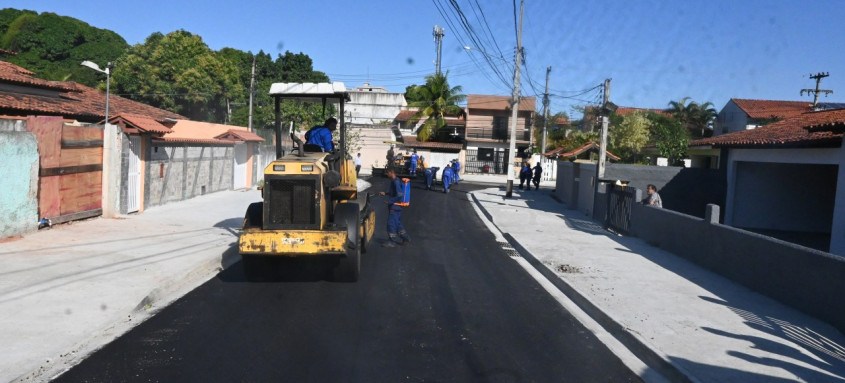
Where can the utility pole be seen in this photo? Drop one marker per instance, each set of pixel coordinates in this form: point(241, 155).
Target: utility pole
point(600, 165)
point(818, 77)
point(251, 92)
point(515, 103)
point(438, 43)
point(545, 111)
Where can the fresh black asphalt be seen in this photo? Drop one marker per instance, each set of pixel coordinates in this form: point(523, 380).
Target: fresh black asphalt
point(451, 307)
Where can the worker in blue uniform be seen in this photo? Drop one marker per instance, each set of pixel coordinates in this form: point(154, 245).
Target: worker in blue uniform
point(448, 177)
point(321, 135)
point(456, 168)
point(414, 160)
point(430, 176)
point(396, 234)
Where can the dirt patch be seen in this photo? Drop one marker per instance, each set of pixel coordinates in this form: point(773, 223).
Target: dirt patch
point(568, 269)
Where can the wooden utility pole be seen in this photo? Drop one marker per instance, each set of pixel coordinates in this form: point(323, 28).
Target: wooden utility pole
point(545, 111)
point(818, 77)
point(514, 103)
point(438, 43)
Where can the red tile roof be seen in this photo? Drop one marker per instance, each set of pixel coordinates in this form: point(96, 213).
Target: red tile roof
point(142, 123)
point(405, 115)
point(411, 142)
point(187, 131)
point(576, 152)
point(562, 120)
point(760, 109)
point(804, 130)
point(14, 74)
point(73, 101)
point(491, 102)
point(239, 135)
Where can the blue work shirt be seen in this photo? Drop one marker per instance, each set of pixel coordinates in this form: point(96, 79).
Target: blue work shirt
point(395, 193)
point(320, 136)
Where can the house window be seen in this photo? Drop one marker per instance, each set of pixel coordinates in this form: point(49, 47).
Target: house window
point(500, 127)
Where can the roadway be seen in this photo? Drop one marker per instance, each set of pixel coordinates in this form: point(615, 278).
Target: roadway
point(452, 307)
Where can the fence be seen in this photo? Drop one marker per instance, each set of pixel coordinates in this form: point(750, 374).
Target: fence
point(549, 169)
point(620, 200)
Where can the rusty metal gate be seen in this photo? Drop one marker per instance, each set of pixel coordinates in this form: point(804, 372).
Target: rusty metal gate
point(620, 200)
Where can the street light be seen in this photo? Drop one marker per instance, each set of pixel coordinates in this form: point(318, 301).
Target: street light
point(107, 71)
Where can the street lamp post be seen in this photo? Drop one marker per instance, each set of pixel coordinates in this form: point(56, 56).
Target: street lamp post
point(107, 71)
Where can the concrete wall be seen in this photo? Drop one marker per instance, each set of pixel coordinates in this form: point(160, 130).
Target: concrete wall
point(177, 172)
point(682, 189)
point(789, 197)
point(374, 107)
point(19, 181)
point(808, 280)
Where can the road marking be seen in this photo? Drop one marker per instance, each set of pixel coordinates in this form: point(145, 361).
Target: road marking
point(627, 357)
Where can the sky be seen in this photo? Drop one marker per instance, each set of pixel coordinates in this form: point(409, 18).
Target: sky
point(653, 51)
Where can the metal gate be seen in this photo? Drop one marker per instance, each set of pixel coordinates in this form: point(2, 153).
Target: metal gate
point(493, 161)
point(70, 169)
point(620, 200)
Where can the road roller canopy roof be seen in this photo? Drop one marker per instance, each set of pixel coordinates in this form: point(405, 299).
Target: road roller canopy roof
point(309, 91)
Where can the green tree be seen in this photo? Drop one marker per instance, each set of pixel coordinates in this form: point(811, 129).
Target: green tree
point(695, 117)
point(670, 137)
point(53, 46)
point(290, 67)
point(551, 129)
point(178, 72)
point(436, 101)
point(630, 135)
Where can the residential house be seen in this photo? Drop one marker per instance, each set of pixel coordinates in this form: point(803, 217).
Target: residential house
point(196, 158)
point(787, 179)
point(743, 114)
point(488, 131)
point(79, 163)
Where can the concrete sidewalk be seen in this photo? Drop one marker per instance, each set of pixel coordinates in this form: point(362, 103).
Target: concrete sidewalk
point(693, 324)
point(68, 290)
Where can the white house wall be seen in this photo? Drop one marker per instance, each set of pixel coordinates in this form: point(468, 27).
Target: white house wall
point(374, 107)
point(730, 119)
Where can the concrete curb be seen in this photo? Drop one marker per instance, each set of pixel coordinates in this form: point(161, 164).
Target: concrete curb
point(649, 356)
point(156, 300)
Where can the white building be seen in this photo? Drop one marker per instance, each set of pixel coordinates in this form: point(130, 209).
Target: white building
point(373, 105)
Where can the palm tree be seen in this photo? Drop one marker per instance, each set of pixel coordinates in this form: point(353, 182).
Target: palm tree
point(436, 101)
point(693, 116)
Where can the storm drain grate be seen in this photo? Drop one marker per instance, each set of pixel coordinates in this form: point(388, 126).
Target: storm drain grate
point(510, 251)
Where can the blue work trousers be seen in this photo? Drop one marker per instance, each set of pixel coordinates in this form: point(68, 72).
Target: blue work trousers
point(447, 180)
point(429, 179)
point(394, 220)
